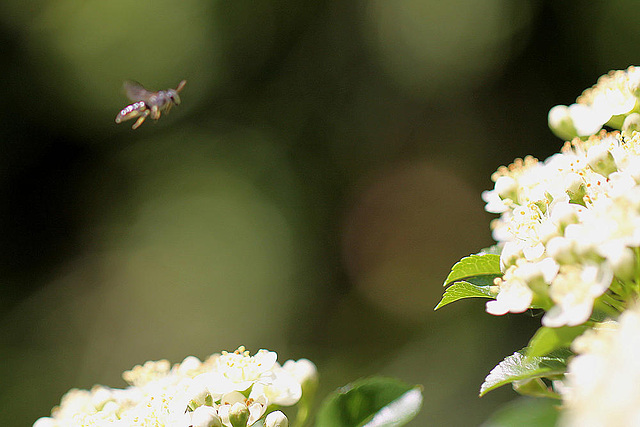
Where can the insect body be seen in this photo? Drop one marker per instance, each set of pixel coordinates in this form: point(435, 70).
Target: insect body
point(147, 103)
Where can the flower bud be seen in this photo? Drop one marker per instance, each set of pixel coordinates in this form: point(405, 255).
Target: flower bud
point(100, 395)
point(601, 160)
point(573, 184)
point(511, 252)
point(561, 124)
point(276, 419)
point(239, 415)
point(45, 422)
point(564, 214)
point(198, 392)
point(631, 124)
point(506, 187)
point(633, 82)
point(561, 249)
point(303, 370)
point(205, 416)
point(189, 364)
point(545, 270)
point(621, 259)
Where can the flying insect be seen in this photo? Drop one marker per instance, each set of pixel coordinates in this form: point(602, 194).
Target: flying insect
point(147, 103)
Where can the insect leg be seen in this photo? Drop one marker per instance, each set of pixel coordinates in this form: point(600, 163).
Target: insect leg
point(141, 119)
point(155, 112)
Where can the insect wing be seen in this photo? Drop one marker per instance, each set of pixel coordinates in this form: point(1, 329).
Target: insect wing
point(135, 91)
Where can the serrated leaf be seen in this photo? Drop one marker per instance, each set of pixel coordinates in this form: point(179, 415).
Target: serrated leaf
point(400, 411)
point(546, 340)
point(371, 402)
point(525, 412)
point(475, 265)
point(599, 316)
point(464, 289)
point(517, 367)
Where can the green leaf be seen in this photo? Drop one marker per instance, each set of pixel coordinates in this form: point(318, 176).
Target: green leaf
point(472, 277)
point(517, 367)
point(525, 412)
point(475, 265)
point(371, 402)
point(535, 387)
point(546, 340)
point(461, 290)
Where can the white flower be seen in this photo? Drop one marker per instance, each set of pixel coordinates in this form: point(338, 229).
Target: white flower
point(588, 120)
point(192, 393)
point(234, 404)
point(280, 389)
point(565, 213)
point(601, 385)
point(614, 101)
point(579, 208)
point(562, 250)
point(515, 289)
point(524, 225)
point(189, 366)
point(276, 419)
point(621, 259)
point(628, 163)
point(303, 370)
point(495, 204)
point(600, 159)
point(197, 392)
point(574, 291)
point(205, 416)
point(238, 371)
point(45, 422)
point(515, 297)
point(576, 120)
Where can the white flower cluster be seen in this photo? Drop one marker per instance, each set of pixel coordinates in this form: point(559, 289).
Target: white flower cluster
point(569, 229)
point(600, 388)
point(612, 101)
point(228, 389)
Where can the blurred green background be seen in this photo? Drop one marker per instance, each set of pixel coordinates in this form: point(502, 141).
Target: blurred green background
point(308, 196)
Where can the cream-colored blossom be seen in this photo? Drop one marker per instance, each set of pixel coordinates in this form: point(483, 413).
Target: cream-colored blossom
point(515, 297)
point(303, 370)
point(191, 393)
point(276, 419)
point(235, 402)
point(205, 416)
point(601, 385)
point(515, 288)
point(237, 371)
point(574, 291)
point(609, 101)
point(576, 120)
point(579, 208)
